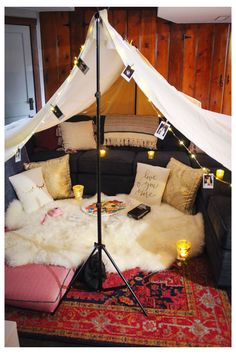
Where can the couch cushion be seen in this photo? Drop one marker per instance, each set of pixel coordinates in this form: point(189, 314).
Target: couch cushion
point(31, 189)
point(170, 143)
point(115, 162)
point(219, 212)
point(78, 135)
point(46, 155)
point(56, 174)
point(12, 168)
point(161, 158)
point(205, 161)
point(111, 184)
point(149, 185)
point(219, 187)
point(36, 286)
point(182, 186)
point(46, 139)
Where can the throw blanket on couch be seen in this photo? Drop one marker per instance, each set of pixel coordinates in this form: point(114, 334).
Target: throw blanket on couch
point(68, 238)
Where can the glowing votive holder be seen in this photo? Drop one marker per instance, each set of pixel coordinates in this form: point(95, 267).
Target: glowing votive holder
point(102, 152)
point(183, 249)
point(78, 190)
point(220, 174)
point(151, 154)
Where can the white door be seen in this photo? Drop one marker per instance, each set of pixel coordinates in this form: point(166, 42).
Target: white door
point(19, 81)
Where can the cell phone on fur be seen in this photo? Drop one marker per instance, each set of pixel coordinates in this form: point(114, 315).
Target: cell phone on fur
point(139, 211)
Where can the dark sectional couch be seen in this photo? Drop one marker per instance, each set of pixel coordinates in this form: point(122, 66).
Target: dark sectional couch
point(118, 169)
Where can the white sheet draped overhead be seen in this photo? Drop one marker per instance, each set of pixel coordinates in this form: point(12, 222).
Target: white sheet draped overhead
point(208, 130)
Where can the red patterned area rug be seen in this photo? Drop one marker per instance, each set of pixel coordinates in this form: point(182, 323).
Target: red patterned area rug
point(184, 309)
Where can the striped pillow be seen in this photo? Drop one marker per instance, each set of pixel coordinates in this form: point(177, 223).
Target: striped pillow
point(131, 131)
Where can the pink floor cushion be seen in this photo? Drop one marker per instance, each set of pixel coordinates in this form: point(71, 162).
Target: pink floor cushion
point(36, 286)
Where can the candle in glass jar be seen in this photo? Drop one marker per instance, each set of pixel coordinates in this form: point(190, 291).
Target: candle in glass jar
point(220, 174)
point(102, 152)
point(183, 249)
point(151, 154)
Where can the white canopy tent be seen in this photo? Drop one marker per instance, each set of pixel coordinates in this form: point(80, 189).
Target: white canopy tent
point(210, 131)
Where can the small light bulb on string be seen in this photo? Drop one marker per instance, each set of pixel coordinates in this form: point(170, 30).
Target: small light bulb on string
point(75, 61)
point(193, 156)
point(181, 142)
point(52, 108)
point(82, 48)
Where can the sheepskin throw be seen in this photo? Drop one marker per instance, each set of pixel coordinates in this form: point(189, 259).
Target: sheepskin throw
point(68, 238)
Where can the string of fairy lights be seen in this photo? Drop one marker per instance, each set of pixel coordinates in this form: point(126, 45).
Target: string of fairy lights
point(218, 175)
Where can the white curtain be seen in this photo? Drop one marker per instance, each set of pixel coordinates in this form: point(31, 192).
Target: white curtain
point(208, 130)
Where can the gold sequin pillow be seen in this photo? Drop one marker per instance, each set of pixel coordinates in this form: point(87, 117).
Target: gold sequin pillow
point(182, 186)
point(56, 173)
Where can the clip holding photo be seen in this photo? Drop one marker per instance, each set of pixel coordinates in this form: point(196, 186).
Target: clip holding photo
point(18, 155)
point(56, 110)
point(162, 130)
point(127, 73)
point(82, 66)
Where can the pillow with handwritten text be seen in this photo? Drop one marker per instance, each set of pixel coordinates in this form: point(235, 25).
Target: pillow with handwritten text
point(150, 182)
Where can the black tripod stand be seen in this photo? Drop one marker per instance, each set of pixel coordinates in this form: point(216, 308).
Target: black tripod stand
point(99, 246)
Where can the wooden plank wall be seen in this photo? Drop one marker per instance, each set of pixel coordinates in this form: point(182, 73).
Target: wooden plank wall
point(195, 58)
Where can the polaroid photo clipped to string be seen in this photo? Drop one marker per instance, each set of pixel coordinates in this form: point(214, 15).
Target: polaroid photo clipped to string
point(162, 130)
point(82, 66)
point(127, 73)
point(57, 112)
point(208, 181)
point(18, 155)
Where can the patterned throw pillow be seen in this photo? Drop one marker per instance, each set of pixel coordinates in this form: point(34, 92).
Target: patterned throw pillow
point(56, 173)
point(182, 186)
point(31, 189)
point(131, 131)
point(150, 182)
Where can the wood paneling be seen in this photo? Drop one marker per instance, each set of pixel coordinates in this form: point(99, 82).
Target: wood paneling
point(118, 19)
point(193, 57)
point(63, 46)
point(77, 34)
point(176, 56)
point(56, 49)
point(148, 33)
point(189, 60)
point(219, 61)
point(227, 87)
point(133, 29)
point(163, 47)
point(203, 64)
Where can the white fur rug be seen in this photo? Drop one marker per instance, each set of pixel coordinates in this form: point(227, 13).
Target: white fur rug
point(68, 239)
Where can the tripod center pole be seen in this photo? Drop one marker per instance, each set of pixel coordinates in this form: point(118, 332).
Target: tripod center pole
point(98, 124)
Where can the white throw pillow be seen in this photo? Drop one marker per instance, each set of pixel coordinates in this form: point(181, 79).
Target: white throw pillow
point(78, 135)
point(31, 189)
point(150, 182)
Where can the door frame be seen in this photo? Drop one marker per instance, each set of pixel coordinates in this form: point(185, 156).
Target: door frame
point(31, 23)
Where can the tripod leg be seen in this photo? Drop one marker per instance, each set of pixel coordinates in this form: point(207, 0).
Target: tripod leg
point(79, 270)
point(124, 280)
